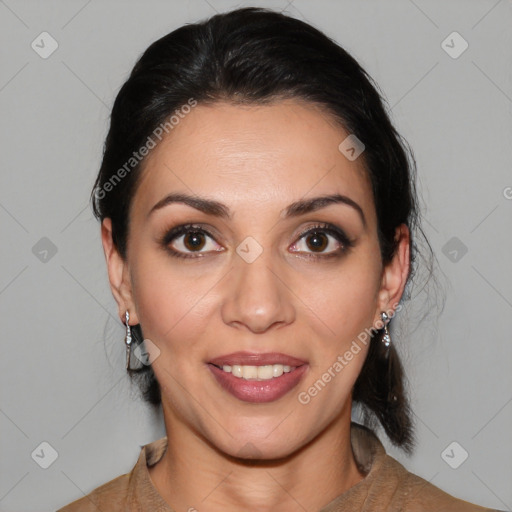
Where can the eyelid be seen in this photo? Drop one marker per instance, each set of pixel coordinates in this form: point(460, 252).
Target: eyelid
point(326, 227)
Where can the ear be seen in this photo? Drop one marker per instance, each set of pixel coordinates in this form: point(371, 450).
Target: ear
point(118, 274)
point(394, 275)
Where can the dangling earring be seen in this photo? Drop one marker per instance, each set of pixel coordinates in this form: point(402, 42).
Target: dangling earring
point(128, 339)
point(386, 339)
point(391, 362)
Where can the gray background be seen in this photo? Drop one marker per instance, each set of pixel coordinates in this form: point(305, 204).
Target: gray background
point(62, 358)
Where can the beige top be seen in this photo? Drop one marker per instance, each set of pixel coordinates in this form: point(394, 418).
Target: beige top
point(387, 486)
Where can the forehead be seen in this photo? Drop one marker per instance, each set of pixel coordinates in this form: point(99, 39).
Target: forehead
point(253, 155)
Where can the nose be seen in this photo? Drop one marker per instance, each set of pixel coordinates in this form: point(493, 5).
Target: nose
point(258, 297)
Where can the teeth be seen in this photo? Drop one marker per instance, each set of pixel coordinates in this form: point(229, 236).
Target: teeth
point(250, 372)
point(265, 372)
point(277, 370)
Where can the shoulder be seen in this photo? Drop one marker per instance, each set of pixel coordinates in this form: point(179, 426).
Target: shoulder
point(110, 496)
point(131, 491)
point(388, 485)
point(415, 494)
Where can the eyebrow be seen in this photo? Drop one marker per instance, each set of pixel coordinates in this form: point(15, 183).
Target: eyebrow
point(295, 209)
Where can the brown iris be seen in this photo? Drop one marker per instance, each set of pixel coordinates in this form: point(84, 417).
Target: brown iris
point(194, 240)
point(317, 241)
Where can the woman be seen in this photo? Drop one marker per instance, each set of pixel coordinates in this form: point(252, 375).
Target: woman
point(258, 218)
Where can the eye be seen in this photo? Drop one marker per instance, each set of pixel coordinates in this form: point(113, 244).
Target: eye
point(193, 241)
point(183, 241)
point(323, 240)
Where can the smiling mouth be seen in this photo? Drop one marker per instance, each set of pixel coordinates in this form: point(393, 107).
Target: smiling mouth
point(258, 377)
point(258, 384)
point(257, 373)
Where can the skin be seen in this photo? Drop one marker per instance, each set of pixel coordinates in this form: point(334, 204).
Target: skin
point(224, 453)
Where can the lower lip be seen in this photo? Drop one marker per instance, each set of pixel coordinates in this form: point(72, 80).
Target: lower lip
point(258, 391)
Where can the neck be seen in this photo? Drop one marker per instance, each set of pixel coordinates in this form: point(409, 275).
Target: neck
point(194, 475)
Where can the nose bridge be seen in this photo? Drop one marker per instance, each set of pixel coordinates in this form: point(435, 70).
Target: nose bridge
point(257, 296)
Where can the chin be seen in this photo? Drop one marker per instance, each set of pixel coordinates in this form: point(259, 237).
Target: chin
point(269, 444)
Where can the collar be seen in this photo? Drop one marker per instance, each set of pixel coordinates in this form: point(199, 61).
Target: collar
point(369, 453)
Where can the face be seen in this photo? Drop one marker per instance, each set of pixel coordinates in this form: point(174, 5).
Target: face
point(265, 280)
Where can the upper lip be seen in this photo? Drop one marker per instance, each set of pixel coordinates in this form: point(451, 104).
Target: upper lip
point(255, 359)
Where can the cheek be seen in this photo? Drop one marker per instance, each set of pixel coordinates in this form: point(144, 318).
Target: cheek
point(343, 307)
point(171, 308)
point(342, 301)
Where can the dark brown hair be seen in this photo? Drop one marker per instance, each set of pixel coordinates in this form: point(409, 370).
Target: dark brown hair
point(255, 56)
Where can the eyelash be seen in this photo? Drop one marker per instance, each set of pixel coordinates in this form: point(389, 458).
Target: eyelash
point(328, 228)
